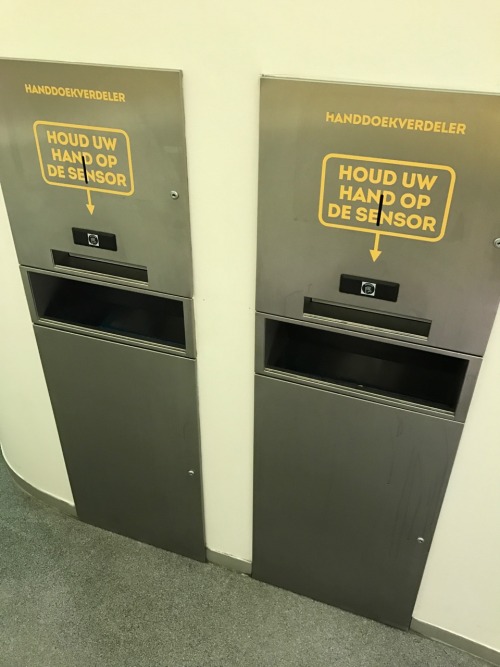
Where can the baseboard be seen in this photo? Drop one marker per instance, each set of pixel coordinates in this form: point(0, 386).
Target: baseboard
point(446, 637)
point(52, 501)
point(229, 562)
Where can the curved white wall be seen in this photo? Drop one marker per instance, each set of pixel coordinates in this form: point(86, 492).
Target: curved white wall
point(28, 433)
point(223, 46)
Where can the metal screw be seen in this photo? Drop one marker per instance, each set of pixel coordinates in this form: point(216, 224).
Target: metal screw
point(496, 243)
point(174, 194)
point(420, 540)
point(191, 473)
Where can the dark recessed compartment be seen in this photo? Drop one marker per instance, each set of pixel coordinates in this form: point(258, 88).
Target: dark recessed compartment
point(109, 309)
point(396, 371)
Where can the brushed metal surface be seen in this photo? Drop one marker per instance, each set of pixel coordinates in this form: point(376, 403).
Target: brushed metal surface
point(189, 350)
point(128, 423)
point(466, 391)
point(455, 281)
point(151, 228)
point(343, 489)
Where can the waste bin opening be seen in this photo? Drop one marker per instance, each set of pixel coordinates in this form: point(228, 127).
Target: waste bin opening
point(109, 309)
point(409, 374)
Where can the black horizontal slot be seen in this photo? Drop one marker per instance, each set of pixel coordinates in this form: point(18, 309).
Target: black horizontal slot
point(369, 318)
point(109, 309)
point(419, 376)
point(71, 261)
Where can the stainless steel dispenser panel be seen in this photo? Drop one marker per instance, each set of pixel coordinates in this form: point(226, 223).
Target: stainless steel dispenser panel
point(90, 318)
point(128, 422)
point(327, 154)
point(378, 280)
point(387, 372)
point(99, 149)
point(347, 496)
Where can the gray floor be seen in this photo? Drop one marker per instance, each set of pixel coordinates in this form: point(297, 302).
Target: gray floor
point(75, 596)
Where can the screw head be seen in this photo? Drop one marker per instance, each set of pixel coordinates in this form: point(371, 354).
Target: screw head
point(174, 194)
point(420, 540)
point(191, 473)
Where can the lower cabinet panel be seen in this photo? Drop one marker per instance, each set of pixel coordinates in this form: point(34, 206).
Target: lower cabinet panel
point(343, 490)
point(128, 422)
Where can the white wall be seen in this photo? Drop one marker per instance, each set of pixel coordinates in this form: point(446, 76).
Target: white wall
point(223, 46)
point(28, 433)
point(460, 590)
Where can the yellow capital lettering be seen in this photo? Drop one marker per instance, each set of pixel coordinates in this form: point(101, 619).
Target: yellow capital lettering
point(333, 210)
point(57, 171)
point(426, 182)
point(414, 221)
point(345, 192)
point(345, 172)
point(389, 197)
point(361, 214)
point(423, 200)
point(399, 219)
point(408, 200)
point(429, 223)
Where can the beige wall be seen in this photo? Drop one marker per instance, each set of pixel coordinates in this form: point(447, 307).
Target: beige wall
point(223, 47)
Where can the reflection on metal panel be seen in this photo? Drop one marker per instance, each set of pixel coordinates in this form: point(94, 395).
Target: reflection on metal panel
point(329, 152)
point(378, 280)
point(344, 490)
point(93, 170)
point(100, 149)
point(129, 430)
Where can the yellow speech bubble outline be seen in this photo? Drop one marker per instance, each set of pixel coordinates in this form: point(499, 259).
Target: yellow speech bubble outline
point(361, 158)
point(38, 123)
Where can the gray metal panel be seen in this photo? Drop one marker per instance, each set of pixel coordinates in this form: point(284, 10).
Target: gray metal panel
point(188, 351)
point(441, 279)
point(152, 229)
point(128, 423)
point(467, 390)
point(343, 489)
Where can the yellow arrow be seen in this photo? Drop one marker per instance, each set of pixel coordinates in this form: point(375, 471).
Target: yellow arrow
point(375, 253)
point(89, 203)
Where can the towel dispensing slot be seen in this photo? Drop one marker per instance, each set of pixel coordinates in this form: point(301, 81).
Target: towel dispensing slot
point(69, 260)
point(110, 310)
point(419, 376)
point(367, 318)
